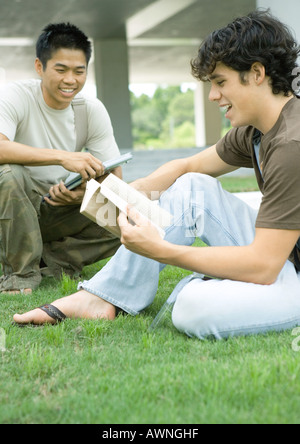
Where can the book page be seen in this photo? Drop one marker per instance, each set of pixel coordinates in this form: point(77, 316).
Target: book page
point(91, 187)
point(103, 202)
point(122, 205)
point(124, 193)
point(97, 208)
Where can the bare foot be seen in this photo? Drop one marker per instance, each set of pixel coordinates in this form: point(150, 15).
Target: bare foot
point(82, 305)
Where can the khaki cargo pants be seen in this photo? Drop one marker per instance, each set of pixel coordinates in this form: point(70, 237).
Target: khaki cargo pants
point(31, 230)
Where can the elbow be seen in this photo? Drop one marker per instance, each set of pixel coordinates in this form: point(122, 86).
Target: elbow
point(265, 268)
point(267, 275)
point(267, 281)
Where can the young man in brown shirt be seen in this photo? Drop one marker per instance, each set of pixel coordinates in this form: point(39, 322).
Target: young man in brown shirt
point(250, 65)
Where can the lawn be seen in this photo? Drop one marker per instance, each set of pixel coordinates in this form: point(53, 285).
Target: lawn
point(120, 372)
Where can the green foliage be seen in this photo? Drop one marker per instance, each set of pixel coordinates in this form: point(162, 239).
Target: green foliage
point(184, 136)
point(181, 108)
point(164, 121)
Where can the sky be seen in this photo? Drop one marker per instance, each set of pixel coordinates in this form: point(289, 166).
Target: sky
point(139, 88)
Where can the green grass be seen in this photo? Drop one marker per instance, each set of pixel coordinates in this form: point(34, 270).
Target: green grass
point(120, 373)
point(239, 184)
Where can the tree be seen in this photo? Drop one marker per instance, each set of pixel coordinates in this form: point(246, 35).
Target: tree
point(156, 119)
point(181, 108)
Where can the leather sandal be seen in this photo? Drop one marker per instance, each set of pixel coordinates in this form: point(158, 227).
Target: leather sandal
point(53, 312)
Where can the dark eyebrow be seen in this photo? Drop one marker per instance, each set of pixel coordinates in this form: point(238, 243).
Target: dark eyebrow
point(215, 76)
point(61, 65)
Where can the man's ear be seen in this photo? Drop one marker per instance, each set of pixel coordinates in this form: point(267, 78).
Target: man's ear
point(259, 72)
point(38, 66)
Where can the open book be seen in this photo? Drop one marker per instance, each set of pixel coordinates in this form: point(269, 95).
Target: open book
point(103, 202)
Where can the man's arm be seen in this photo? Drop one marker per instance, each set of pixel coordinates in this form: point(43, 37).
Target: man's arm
point(258, 263)
point(16, 153)
point(206, 162)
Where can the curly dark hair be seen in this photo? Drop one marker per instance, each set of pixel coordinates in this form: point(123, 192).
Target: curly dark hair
point(61, 35)
point(257, 37)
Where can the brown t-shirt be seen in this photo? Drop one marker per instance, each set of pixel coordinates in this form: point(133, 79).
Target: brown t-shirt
point(279, 158)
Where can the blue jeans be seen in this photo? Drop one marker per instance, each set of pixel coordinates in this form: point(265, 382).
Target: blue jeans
point(202, 209)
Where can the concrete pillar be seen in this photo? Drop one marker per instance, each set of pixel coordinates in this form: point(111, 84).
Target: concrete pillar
point(112, 81)
point(208, 117)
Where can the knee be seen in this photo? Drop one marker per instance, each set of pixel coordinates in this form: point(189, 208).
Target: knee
point(16, 185)
point(195, 315)
point(196, 181)
point(189, 187)
point(13, 173)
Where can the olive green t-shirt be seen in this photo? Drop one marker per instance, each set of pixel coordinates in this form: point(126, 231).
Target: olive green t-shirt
point(279, 158)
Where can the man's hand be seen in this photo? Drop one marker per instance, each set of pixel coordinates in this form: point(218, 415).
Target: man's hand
point(83, 163)
point(88, 166)
point(142, 238)
point(61, 196)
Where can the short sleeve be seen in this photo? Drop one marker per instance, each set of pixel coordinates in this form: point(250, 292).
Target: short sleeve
point(11, 110)
point(235, 148)
point(101, 142)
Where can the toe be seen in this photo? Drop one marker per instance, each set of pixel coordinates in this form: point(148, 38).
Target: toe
point(36, 317)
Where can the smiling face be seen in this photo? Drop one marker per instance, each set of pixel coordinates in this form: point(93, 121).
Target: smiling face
point(239, 98)
point(63, 78)
point(247, 97)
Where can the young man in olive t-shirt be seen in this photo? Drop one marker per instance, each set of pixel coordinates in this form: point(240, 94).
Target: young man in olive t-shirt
point(40, 144)
point(249, 64)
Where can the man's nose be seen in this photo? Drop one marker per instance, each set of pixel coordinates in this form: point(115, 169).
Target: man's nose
point(214, 94)
point(69, 78)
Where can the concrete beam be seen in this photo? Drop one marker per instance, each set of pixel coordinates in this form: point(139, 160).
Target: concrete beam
point(151, 16)
point(166, 43)
point(16, 41)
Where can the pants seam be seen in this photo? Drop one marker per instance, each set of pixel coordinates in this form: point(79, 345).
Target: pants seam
point(274, 324)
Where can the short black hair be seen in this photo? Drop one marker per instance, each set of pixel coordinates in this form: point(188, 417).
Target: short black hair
point(58, 36)
point(257, 37)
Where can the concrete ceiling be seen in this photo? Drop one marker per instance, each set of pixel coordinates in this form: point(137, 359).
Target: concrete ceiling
point(162, 35)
